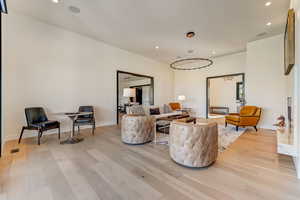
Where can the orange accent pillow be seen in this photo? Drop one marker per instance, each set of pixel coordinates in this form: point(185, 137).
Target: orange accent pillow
point(175, 106)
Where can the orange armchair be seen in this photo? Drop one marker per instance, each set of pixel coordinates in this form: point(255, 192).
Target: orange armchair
point(175, 106)
point(248, 116)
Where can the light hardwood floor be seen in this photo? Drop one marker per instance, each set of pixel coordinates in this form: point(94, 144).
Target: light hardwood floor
point(102, 167)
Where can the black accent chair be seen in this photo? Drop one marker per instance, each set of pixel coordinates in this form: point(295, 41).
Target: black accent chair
point(83, 120)
point(37, 120)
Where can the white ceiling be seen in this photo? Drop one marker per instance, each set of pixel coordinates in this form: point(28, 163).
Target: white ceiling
point(224, 26)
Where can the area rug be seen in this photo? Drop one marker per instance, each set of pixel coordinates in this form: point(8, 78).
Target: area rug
point(227, 135)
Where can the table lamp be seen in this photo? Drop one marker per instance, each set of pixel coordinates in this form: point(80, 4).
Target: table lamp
point(181, 98)
point(129, 92)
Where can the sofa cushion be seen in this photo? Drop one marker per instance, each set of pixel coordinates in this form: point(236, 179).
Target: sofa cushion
point(136, 110)
point(248, 110)
point(234, 118)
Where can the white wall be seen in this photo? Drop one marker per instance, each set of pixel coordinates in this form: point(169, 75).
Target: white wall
point(192, 84)
point(265, 80)
point(296, 5)
point(47, 66)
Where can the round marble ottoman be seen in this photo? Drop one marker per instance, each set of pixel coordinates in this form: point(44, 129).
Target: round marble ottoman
point(193, 145)
point(137, 129)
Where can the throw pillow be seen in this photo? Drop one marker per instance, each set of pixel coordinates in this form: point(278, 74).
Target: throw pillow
point(154, 111)
point(167, 109)
point(136, 110)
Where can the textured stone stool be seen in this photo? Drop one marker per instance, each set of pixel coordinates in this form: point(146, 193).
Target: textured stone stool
point(193, 145)
point(137, 129)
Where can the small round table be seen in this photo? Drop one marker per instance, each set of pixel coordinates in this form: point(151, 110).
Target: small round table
point(73, 116)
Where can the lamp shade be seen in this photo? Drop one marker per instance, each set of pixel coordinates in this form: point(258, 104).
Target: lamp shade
point(129, 92)
point(181, 98)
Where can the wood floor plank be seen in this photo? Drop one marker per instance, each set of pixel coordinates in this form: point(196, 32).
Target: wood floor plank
point(77, 182)
point(100, 186)
point(126, 184)
point(169, 180)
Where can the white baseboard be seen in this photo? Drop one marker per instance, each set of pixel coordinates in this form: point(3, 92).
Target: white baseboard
point(29, 133)
point(270, 127)
point(296, 162)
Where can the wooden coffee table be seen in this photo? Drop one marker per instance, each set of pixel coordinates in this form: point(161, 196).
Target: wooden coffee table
point(173, 117)
point(165, 125)
point(188, 120)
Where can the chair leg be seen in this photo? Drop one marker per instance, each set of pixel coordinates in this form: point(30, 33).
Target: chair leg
point(78, 129)
point(58, 132)
point(94, 126)
point(73, 130)
point(225, 124)
point(255, 128)
point(39, 137)
point(21, 135)
point(237, 128)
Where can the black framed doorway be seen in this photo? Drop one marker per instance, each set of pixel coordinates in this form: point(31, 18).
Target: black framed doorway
point(151, 84)
point(222, 76)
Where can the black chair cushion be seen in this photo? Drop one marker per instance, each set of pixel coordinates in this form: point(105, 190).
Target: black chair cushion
point(86, 109)
point(35, 115)
point(46, 125)
point(84, 120)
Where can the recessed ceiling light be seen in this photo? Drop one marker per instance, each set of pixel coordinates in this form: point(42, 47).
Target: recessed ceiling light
point(74, 9)
point(269, 24)
point(55, 1)
point(213, 52)
point(190, 34)
point(268, 3)
point(156, 47)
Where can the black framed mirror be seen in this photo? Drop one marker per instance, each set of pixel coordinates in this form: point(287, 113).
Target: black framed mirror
point(133, 89)
point(224, 94)
point(3, 6)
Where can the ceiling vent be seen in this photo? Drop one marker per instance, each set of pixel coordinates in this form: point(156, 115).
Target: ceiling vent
point(74, 9)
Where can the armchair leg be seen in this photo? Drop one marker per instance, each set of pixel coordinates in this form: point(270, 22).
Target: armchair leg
point(255, 128)
point(237, 128)
point(78, 129)
point(225, 124)
point(21, 135)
